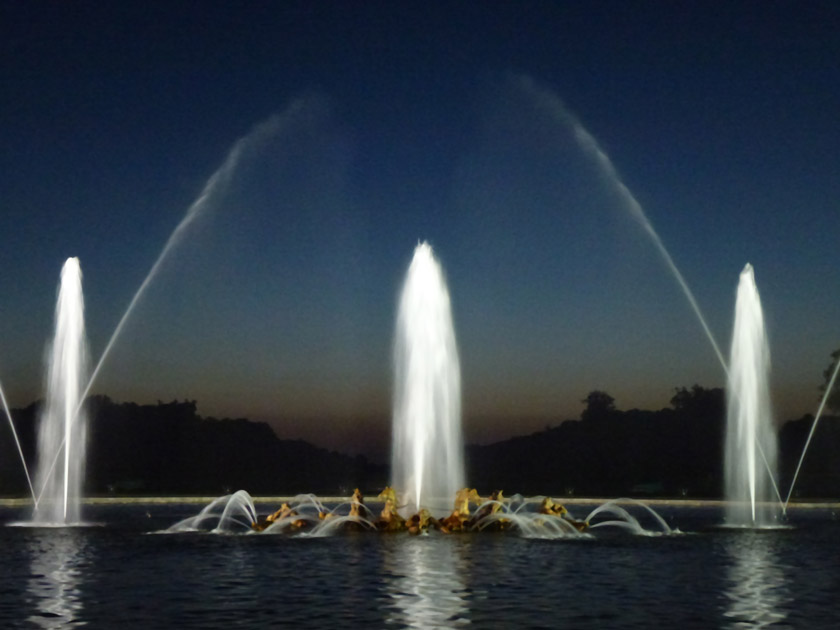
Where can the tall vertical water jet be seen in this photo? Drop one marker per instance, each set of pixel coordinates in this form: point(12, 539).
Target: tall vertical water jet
point(62, 431)
point(750, 458)
point(427, 464)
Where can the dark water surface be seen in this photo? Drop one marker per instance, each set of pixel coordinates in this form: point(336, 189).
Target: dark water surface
point(119, 575)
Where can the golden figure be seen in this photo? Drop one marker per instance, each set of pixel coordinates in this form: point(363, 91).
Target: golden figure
point(548, 506)
point(456, 521)
point(284, 512)
point(389, 520)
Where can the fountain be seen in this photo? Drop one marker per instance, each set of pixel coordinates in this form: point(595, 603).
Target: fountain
point(61, 436)
point(427, 465)
point(427, 454)
point(750, 455)
point(767, 452)
point(61, 485)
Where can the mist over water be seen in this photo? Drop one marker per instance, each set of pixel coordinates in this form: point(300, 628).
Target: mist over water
point(427, 455)
point(63, 425)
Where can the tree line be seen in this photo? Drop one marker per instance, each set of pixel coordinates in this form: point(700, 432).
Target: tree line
point(168, 448)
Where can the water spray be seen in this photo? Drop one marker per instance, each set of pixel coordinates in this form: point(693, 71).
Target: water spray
point(217, 183)
point(591, 147)
point(61, 428)
point(19, 449)
point(828, 390)
point(427, 453)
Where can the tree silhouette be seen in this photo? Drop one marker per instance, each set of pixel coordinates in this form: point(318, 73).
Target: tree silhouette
point(599, 405)
point(699, 401)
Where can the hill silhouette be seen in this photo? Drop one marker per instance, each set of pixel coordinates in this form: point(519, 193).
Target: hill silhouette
point(673, 452)
point(168, 449)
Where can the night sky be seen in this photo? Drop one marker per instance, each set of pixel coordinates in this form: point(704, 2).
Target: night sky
point(400, 122)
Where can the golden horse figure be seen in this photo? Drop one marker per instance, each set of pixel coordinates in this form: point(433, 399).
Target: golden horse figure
point(420, 522)
point(358, 510)
point(357, 503)
point(389, 520)
point(285, 511)
point(548, 506)
point(456, 521)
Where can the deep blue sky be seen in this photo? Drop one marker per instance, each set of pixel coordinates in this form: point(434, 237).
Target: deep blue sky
point(412, 123)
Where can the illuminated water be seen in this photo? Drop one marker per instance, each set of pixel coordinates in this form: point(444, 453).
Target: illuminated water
point(118, 576)
point(750, 454)
point(62, 430)
point(427, 462)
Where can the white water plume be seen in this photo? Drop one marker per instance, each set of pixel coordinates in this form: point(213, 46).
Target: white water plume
point(750, 456)
point(63, 426)
point(427, 464)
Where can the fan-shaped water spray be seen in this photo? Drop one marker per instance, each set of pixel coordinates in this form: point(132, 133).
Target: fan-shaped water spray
point(306, 516)
point(62, 432)
point(427, 455)
point(750, 458)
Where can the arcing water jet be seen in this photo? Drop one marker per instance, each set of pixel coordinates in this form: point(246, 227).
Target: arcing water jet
point(589, 145)
point(217, 183)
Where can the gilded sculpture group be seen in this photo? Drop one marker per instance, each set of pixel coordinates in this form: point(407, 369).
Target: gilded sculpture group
point(489, 515)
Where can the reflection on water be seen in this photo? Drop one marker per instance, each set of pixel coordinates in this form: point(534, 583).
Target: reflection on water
point(425, 582)
point(117, 577)
point(758, 592)
point(55, 576)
